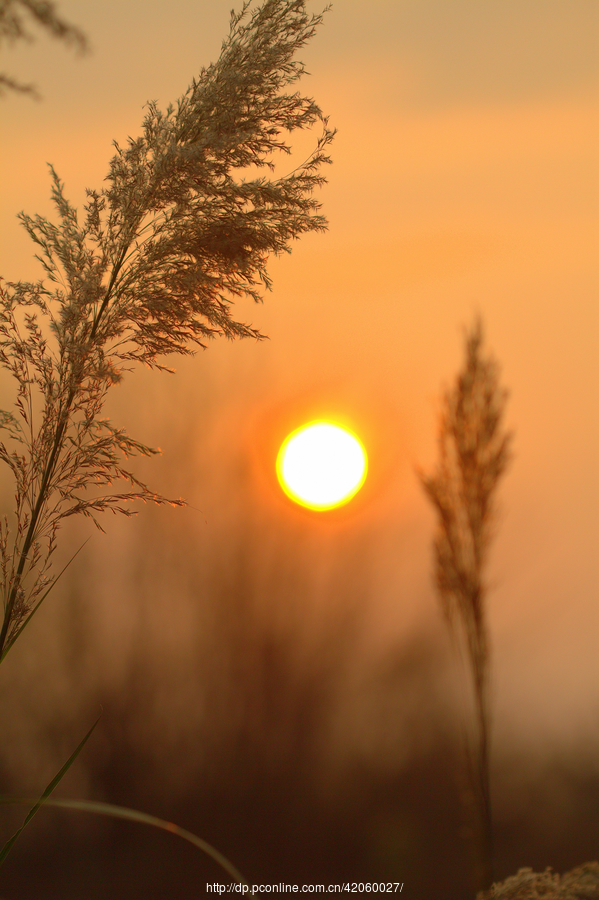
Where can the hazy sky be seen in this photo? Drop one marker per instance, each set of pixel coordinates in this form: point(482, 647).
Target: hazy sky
point(464, 179)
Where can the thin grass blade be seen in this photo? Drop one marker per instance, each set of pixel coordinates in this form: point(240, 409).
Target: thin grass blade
point(134, 815)
point(44, 797)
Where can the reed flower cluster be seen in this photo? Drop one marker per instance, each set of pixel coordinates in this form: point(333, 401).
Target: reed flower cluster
point(474, 451)
point(184, 226)
point(581, 883)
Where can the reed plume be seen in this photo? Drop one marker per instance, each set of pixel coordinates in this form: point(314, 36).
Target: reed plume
point(163, 250)
point(474, 452)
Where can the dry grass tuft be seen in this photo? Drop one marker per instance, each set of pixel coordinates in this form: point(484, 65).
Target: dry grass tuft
point(582, 883)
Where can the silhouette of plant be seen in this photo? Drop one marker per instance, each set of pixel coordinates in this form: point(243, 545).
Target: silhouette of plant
point(152, 271)
point(474, 452)
point(12, 29)
point(183, 228)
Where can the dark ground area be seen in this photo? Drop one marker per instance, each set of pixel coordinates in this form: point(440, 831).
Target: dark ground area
point(246, 719)
point(276, 826)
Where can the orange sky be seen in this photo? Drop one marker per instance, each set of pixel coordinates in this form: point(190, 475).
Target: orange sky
point(464, 179)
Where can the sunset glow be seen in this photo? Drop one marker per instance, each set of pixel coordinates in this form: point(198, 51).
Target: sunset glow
point(321, 465)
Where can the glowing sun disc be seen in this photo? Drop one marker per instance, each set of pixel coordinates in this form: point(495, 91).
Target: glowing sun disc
point(321, 465)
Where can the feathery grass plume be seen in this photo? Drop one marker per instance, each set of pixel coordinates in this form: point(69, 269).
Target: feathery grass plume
point(12, 29)
point(474, 452)
point(162, 253)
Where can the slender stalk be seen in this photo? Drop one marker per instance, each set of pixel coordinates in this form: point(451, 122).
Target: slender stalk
point(41, 498)
point(486, 848)
point(210, 233)
point(63, 422)
point(474, 453)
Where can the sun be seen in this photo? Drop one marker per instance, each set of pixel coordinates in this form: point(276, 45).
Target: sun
point(321, 465)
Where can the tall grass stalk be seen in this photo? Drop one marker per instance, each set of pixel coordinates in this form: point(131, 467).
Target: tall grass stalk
point(184, 227)
point(163, 251)
point(474, 452)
